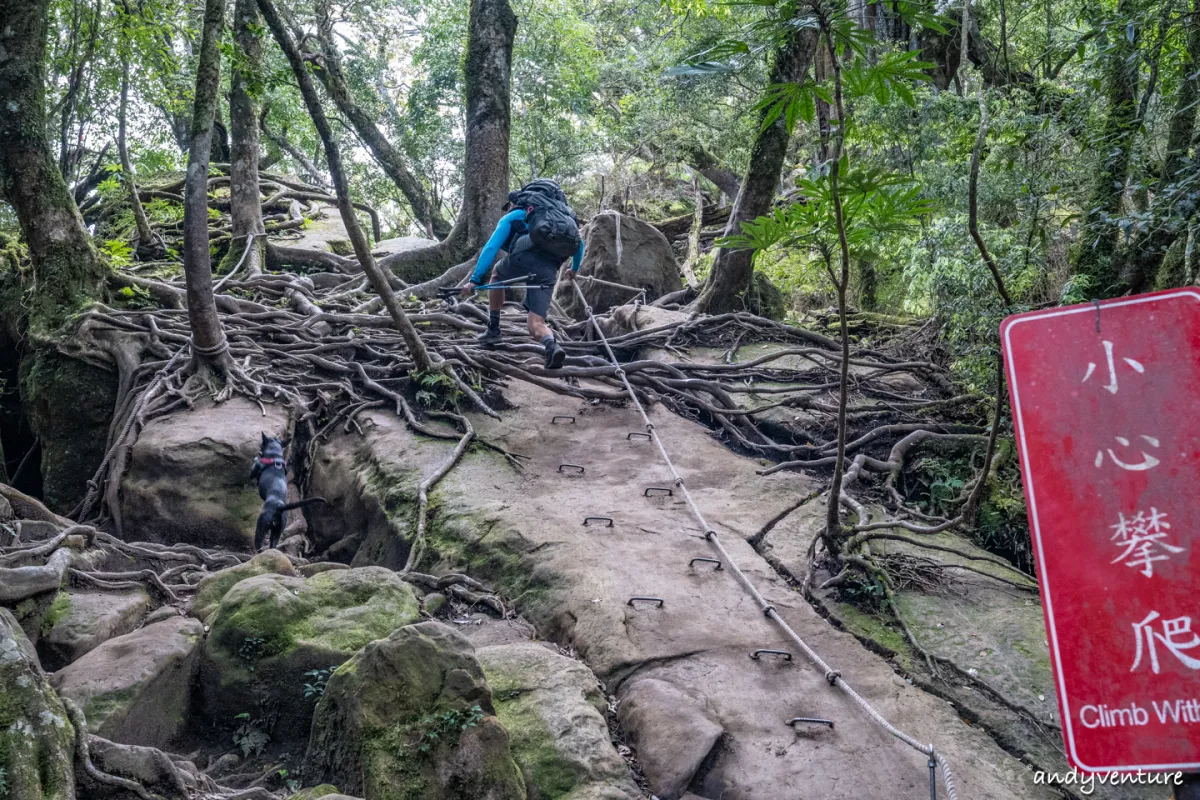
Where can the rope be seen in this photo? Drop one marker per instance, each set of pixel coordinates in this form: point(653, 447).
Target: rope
point(211, 352)
point(833, 676)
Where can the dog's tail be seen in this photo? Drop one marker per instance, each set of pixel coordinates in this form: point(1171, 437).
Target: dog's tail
point(301, 503)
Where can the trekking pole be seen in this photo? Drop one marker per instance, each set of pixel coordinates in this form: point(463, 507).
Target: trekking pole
point(521, 282)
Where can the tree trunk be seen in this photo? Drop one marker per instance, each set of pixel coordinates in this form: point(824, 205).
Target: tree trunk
point(66, 268)
point(1144, 257)
point(733, 269)
point(312, 174)
point(1095, 257)
point(209, 349)
point(385, 154)
point(693, 251)
point(491, 29)
point(244, 194)
point(144, 234)
point(362, 249)
point(707, 165)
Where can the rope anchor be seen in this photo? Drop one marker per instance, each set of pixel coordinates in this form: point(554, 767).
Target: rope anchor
point(794, 721)
point(587, 520)
point(581, 470)
point(658, 600)
point(659, 491)
point(638, 435)
point(783, 653)
point(554, 420)
point(704, 560)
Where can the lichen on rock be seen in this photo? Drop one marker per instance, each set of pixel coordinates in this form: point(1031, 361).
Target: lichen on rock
point(271, 629)
point(411, 717)
point(36, 738)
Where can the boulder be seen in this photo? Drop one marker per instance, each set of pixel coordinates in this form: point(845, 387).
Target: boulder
point(269, 631)
point(69, 404)
point(136, 688)
point(322, 792)
point(674, 730)
point(213, 587)
point(189, 475)
point(621, 249)
point(37, 745)
point(79, 622)
point(553, 711)
point(401, 244)
point(764, 298)
point(411, 716)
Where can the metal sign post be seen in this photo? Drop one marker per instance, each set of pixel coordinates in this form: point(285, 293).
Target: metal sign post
point(1106, 407)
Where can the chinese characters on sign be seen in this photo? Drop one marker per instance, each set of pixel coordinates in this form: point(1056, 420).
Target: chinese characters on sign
point(1111, 464)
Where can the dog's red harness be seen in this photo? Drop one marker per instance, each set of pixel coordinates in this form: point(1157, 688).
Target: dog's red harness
point(273, 462)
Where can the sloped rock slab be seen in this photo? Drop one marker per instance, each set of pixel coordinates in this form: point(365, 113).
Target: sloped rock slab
point(553, 711)
point(523, 532)
point(136, 688)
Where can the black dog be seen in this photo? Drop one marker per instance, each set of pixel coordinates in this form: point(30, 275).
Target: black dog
point(270, 470)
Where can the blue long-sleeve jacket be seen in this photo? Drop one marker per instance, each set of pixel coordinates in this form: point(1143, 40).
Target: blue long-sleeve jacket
point(500, 237)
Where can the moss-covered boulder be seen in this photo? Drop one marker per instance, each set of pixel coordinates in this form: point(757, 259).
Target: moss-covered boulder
point(553, 711)
point(322, 792)
point(189, 475)
point(69, 404)
point(79, 622)
point(410, 717)
point(269, 632)
point(136, 688)
point(36, 739)
point(213, 587)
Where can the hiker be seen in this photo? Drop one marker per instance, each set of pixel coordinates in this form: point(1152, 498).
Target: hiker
point(539, 232)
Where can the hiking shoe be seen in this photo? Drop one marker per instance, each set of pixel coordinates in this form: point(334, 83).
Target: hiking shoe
point(555, 356)
point(489, 337)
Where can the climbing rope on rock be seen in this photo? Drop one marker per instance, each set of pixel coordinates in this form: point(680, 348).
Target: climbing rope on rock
point(833, 676)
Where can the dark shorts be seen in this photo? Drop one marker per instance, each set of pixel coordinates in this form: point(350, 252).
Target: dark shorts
point(537, 301)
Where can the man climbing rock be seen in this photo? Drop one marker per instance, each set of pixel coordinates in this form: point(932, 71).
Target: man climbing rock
point(538, 233)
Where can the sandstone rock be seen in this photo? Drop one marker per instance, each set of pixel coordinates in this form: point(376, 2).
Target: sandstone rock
point(213, 587)
point(189, 475)
point(308, 570)
point(36, 739)
point(673, 729)
point(269, 630)
point(79, 622)
point(411, 716)
point(323, 792)
point(640, 257)
point(158, 615)
point(401, 244)
point(553, 711)
point(136, 688)
point(148, 766)
point(69, 404)
point(520, 532)
point(434, 603)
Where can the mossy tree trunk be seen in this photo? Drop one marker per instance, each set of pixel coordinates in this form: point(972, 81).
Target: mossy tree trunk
point(245, 87)
point(1095, 258)
point(733, 269)
point(67, 270)
point(209, 348)
point(386, 155)
point(145, 236)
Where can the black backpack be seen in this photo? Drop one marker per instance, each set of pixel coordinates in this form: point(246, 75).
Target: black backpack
point(552, 225)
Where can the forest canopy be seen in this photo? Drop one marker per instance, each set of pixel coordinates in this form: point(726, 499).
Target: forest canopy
point(1084, 183)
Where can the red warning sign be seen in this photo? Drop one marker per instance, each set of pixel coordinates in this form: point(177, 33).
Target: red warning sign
point(1106, 407)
